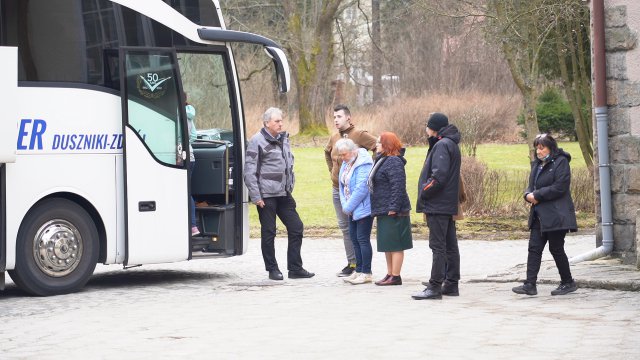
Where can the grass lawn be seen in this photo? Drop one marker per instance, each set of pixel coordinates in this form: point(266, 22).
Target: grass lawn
point(313, 190)
point(516, 157)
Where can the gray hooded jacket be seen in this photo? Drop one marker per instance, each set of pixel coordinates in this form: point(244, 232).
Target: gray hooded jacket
point(268, 168)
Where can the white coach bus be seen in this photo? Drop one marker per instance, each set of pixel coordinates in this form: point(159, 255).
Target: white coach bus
point(94, 138)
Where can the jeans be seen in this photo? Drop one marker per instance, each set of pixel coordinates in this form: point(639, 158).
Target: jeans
point(285, 208)
point(343, 224)
point(192, 204)
point(444, 246)
point(360, 232)
point(537, 242)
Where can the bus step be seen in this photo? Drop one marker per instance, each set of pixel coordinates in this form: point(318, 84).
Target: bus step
point(205, 244)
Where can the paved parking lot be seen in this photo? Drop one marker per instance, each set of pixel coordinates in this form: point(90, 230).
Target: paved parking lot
point(226, 308)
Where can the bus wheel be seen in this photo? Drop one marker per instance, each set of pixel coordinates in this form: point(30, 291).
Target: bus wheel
point(57, 249)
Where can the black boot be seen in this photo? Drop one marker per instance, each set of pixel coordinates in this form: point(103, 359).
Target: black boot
point(428, 294)
point(525, 289)
point(450, 288)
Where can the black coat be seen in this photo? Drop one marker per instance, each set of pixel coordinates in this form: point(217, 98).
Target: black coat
point(389, 186)
point(552, 191)
point(439, 181)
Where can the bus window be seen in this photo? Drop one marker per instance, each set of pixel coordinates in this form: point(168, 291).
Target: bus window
point(153, 103)
point(201, 12)
point(204, 79)
point(83, 29)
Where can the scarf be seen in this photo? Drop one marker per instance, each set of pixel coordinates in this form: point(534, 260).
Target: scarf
point(346, 177)
point(374, 169)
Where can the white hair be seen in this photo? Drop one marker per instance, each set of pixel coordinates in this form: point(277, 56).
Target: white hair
point(270, 113)
point(346, 145)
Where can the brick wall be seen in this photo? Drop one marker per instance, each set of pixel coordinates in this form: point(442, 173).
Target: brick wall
point(622, 22)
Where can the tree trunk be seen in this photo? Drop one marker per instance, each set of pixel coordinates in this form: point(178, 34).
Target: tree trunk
point(376, 56)
point(576, 101)
point(572, 89)
point(523, 64)
point(311, 54)
point(584, 83)
point(530, 97)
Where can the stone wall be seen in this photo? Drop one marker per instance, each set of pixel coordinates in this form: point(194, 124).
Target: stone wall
point(622, 21)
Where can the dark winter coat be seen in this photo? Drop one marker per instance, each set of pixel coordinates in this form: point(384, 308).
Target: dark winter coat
point(388, 184)
point(439, 181)
point(551, 189)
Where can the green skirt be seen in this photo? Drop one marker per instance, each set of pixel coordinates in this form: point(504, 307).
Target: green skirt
point(394, 233)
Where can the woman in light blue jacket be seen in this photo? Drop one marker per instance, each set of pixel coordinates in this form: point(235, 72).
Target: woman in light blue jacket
point(354, 196)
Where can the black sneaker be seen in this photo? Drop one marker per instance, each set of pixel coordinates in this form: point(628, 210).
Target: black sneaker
point(525, 289)
point(564, 289)
point(347, 271)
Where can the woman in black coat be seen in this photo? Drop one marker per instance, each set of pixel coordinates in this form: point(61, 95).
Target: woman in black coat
point(552, 214)
point(390, 205)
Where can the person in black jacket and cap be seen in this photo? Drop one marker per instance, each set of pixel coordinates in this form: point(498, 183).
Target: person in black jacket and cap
point(439, 185)
point(552, 213)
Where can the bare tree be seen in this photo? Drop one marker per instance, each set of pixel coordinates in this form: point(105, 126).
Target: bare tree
point(376, 53)
point(305, 30)
point(439, 46)
point(528, 32)
point(571, 53)
point(311, 48)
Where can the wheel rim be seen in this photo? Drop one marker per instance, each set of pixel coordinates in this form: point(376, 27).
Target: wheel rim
point(57, 248)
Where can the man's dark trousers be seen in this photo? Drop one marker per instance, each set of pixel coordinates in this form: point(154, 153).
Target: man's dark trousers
point(285, 208)
point(444, 246)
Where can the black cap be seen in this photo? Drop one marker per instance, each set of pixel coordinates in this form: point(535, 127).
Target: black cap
point(437, 121)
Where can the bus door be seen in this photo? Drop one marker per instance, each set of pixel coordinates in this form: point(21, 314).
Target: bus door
point(155, 158)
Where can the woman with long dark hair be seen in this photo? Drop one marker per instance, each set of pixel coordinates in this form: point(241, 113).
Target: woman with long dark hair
point(552, 213)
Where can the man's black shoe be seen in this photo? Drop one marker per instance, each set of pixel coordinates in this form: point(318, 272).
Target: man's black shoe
point(450, 289)
point(300, 274)
point(348, 270)
point(427, 294)
point(275, 275)
point(564, 289)
point(525, 289)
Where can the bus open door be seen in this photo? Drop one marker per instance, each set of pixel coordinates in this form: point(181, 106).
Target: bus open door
point(155, 158)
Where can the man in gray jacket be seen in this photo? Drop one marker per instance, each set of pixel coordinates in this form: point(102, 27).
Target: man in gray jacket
point(268, 175)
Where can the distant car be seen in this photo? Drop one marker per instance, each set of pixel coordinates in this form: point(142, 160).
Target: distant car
point(216, 134)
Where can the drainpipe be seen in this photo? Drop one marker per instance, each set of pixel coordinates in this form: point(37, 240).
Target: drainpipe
point(604, 168)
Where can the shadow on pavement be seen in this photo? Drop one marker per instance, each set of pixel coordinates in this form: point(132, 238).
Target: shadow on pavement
point(132, 278)
point(128, 278)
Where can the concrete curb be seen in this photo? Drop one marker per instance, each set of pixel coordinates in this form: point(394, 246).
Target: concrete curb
point(604, 274)
point(588, 283)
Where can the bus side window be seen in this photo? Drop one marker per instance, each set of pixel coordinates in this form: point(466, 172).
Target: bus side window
point(152, 103)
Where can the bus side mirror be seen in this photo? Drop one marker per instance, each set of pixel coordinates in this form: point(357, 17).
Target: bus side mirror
point(274, 51)
point(282, 67)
